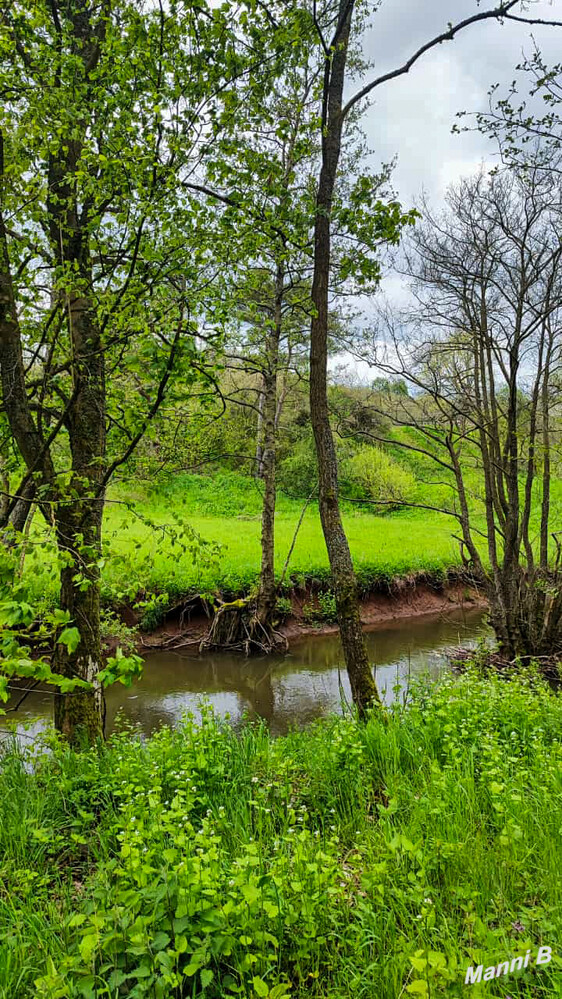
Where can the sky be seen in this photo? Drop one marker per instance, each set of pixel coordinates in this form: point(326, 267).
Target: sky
point(412, 117)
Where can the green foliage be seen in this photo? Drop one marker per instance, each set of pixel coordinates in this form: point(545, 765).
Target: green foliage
point(379, 477)
point(283, 607)
point(114, 629)
point(298, 472)
point(344, 860)
point(322, 609)
point(144, 561)
point(153, 610)
point(28, 634)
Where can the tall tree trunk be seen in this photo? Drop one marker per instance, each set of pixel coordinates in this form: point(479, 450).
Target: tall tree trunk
point(258, 468)
point(267, 593)
point(78, 515)
point(78, 527)
point(363, 687)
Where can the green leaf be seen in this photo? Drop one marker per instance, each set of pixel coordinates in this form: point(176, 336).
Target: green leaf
point(69, 637)
point(180, 944)
point(417, 988)
point(116, 978)
point(87, 946)
point(280, 991)
point(250, 893)
point(206, 977)
point(260, 987)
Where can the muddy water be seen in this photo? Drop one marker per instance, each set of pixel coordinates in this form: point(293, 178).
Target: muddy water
point(290, 689)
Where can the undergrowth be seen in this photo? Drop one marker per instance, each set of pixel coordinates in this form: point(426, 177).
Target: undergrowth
point(374, 862)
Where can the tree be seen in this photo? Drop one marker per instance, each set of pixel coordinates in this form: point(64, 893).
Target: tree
point(276, 144)
point(518, 125)
point(483, 351)
point(386, 227)
point(102, 110)
point(269, 296)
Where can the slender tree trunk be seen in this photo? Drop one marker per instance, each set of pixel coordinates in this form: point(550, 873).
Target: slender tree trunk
point(267, 593)
point(258, 470)
point(363, 687)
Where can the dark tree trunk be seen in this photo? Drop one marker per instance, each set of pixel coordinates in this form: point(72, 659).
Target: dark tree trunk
point(363, 687)
point(76, 512)
point(78, 525)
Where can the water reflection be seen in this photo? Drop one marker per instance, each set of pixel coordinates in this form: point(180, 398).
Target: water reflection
point(291, 689)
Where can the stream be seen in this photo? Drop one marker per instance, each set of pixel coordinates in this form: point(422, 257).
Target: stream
point(289, 689)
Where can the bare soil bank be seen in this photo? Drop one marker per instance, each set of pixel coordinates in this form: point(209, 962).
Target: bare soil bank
point(406, 599)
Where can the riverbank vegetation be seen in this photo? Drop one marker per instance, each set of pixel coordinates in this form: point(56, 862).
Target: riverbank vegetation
point(377, 860)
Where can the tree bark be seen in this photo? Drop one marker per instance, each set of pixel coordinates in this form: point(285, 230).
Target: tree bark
point(267, 593)
point(14, 516)
point(258, 468)
point(363, 687)
point(76, 513)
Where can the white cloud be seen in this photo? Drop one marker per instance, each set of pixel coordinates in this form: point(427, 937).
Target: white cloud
point(412, 116)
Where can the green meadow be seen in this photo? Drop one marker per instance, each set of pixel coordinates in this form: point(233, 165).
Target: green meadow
point(199, 534)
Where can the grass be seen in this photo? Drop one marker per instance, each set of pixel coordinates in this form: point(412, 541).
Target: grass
point(156, 546)
point(373, 862)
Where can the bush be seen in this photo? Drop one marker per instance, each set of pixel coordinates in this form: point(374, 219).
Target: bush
point(377, 476)
point(323, 611)
point(297, 474)
point(283, 607)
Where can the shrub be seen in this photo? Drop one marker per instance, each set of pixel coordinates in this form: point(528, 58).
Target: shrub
point(374, 860)
point(324, 610)
point(283, 607)
point(379, 477)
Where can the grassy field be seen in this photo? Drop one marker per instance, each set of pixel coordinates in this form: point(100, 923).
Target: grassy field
point(149, 544)
point(373, 862)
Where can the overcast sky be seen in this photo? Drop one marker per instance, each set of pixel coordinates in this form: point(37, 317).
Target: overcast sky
point(412, 117)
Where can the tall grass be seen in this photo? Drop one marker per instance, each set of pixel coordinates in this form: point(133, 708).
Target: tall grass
point(374, 861)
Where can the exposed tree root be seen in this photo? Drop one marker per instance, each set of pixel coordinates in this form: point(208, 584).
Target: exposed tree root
point(236, 627)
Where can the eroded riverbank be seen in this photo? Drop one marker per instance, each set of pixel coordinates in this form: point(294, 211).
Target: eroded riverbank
point(406, 598)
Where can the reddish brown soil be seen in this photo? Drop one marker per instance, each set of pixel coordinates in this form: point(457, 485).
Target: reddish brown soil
point(408, 599)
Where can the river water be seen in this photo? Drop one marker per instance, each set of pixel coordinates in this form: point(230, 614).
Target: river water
point(290, 689)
